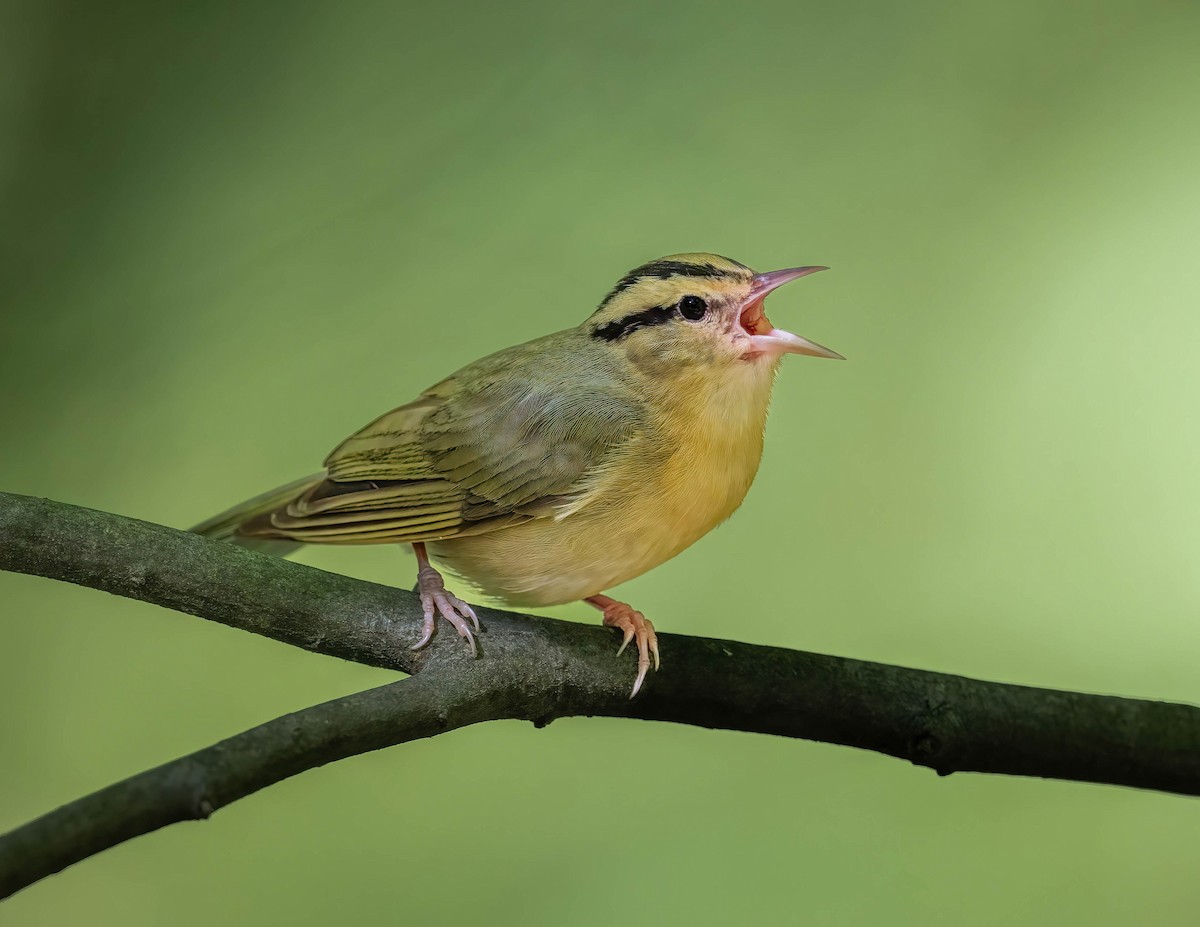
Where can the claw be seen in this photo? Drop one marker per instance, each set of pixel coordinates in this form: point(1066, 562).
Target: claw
point(628, 638)
point(436, 600)
point(470, 613)
point(426, 628)
point(633, 624)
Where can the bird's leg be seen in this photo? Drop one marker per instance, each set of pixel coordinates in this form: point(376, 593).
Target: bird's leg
point(634, 625)
point(435, 600)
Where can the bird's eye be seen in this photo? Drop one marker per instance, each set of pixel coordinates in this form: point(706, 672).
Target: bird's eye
point(692, 308)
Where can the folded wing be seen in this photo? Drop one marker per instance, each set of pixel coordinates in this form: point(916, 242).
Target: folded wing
point(499, 443)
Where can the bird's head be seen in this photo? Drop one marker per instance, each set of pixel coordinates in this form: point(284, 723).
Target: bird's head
point(698, 310)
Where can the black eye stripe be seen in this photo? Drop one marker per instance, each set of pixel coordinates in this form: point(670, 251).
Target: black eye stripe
point(615, 330)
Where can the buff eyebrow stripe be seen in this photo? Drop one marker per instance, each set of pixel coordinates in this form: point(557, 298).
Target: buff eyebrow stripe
point(615, 330)
point(664, 270)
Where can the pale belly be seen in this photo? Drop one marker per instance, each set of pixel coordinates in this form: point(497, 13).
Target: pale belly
point(548, 562)
point(634, 528)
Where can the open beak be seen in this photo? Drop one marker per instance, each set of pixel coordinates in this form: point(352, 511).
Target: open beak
point(766, 338)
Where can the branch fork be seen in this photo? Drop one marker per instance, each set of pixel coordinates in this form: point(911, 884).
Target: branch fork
point(535, 669)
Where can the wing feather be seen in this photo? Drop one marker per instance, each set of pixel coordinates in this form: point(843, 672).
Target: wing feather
point(502, 441)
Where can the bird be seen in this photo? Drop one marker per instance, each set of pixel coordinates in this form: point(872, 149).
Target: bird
point(551, 471)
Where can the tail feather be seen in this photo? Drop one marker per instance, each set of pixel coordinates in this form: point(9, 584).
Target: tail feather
point(224, 527)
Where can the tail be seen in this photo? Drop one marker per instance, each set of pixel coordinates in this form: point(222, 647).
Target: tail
point(224, 527)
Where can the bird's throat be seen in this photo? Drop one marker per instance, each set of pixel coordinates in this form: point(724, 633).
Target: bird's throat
point(754, 320)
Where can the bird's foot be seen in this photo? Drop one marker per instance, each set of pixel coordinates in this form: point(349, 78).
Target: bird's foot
point(436, 600)
point(634, 625)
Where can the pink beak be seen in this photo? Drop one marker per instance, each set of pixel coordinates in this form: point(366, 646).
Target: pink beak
point(763, 335)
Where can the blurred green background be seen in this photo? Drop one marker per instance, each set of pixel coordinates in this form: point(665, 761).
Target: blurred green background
point(233, 233)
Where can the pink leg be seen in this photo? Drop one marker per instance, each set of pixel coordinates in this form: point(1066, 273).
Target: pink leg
point(634, 625)
point(435, 600)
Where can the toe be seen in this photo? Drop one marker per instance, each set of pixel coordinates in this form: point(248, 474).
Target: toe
point(652, 642)
point(643, 664)
point(427, 627)
point(466, 611)
point(426, 634)
point(451, 614)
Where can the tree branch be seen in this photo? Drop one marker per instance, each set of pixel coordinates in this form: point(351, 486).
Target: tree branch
point(536, 669)
point(194, 786)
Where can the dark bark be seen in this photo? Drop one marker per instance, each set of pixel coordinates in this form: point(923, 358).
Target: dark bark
point(536, 669)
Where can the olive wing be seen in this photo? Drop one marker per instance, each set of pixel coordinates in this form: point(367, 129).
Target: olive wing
point(473, 454)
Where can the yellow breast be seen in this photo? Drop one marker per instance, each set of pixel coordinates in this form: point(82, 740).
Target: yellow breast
point(665, 491)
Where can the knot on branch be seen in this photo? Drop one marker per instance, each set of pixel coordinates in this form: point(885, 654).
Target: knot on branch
point(925, 749)
point(937, 730)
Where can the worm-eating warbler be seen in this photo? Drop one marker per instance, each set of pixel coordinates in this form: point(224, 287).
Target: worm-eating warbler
point(553, 470)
